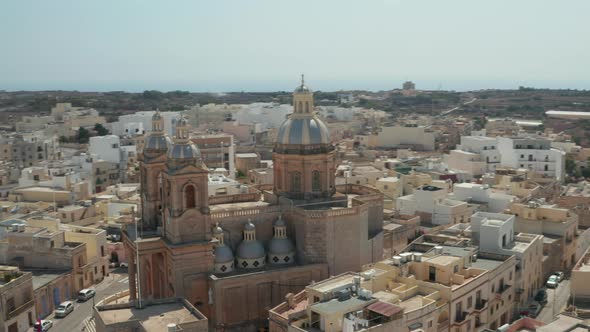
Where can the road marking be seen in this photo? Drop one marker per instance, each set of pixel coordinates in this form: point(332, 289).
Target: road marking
point(89, 325)
point(124, 280)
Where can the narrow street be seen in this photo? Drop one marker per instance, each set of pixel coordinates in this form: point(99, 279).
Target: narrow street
point(117, 281)
point(556, 302)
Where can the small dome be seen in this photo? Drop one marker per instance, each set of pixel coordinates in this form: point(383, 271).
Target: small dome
point(308, 130)
point(279, 222)
point(217, 230)
point(302, 89)
point(157, 142)
point(157, 116)
point(184, 151)
point(280, 246)
point(223, 254)
point(251, 250)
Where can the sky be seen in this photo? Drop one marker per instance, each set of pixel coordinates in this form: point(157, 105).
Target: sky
point(248, 45)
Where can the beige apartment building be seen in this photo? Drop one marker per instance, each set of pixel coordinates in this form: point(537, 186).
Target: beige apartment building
point(579, 285)
point(17, 307)
point(40, 247)
point(559, 228)
point(429, 287)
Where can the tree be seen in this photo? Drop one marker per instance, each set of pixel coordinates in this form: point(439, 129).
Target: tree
point(100, 130)
point(83, 135)
point(570, 165)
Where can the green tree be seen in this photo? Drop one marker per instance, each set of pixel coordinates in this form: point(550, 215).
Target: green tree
point(100, 130)
point(83, 135)
point(570, 165)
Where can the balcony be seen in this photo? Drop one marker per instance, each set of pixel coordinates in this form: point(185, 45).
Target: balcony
point(480, 305)
point(460, 317)
point(501, 291)
point(14, 313)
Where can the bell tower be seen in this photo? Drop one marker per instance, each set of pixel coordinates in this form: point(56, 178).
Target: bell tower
point(185, 190)
point(152, 162)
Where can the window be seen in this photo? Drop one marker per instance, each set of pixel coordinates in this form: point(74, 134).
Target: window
point(296, 182)
point(307, 107)
point(456, 268)
point(189, 196)
point(315, 181)
point(469, 302)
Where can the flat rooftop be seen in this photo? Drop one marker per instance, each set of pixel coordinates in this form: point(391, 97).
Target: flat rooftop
point(486, 264)
point(153, 317)
point(42, 277)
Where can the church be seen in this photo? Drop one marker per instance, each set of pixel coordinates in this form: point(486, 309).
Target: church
point(236, 256)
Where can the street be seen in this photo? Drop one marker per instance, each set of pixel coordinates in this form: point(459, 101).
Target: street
point(117, 281)
point(555, 304)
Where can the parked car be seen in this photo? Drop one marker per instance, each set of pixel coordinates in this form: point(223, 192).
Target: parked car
point(64, 309)
point(43, 325)
point(552, 282)
point(534, 309)
point(541, 296)
point(124, 265)
point(559, 275)
point(114, 264)
point(86, 294)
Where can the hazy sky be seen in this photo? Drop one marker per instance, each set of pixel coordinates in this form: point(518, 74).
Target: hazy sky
point(222, 45)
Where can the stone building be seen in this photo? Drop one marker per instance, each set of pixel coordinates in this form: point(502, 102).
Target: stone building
point(17, 308)
point(255, 246)
point(428, 288)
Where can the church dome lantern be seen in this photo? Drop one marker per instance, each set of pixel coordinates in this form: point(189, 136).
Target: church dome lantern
point(303, 132)
point(157, 142)
point(224, 257)
point(250, 253)
point(182, 152)
point(280, 250)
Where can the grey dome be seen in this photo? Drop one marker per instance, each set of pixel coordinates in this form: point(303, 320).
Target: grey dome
point(251, 250)
point(280, 246)
point(184, 152)
point(157, 142)
point(157, 116)
point(279, 222)
point(223, 254)
point(302, 89)
point(307, 130)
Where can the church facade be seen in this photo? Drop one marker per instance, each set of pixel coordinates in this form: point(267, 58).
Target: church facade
point(236, 256)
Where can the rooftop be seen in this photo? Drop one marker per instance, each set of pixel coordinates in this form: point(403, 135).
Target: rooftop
point(155, 317)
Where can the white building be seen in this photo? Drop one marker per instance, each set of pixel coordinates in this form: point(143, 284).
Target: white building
point(106, 148)
point(433, 205)
point(495, 233)
point(141, 122)
point(475, 156)
point(532, 153)
point(482, 194)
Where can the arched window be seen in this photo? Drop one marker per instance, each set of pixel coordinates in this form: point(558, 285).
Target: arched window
point(315, 181)
point(307, 107)
point(296, 182)
point(189, 197)
point(300, 107)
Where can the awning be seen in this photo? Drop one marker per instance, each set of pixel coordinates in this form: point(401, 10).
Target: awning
point(384, 308)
